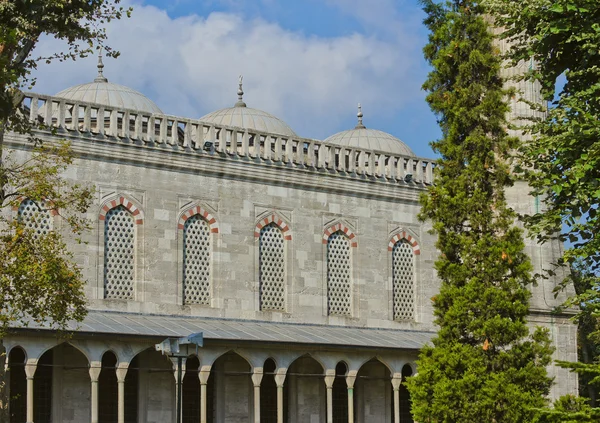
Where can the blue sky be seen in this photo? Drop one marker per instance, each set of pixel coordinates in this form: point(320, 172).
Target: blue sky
point(308, 62)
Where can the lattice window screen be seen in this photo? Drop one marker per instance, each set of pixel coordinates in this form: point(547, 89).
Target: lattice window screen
point(403, 280)
point(119, 254)
point(339, 290)
point(196, 261)
point(272, 268)
point(35, 218)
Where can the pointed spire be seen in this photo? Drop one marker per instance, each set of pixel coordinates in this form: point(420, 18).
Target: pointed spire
point(100, 77)
point(240, 93)
point(359, 115)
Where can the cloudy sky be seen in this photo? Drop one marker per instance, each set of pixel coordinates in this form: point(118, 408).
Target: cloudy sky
point(309, 62)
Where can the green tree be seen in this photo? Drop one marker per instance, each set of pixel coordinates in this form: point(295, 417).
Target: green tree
point(38, 280)
point(484, 365)
point(562, 162)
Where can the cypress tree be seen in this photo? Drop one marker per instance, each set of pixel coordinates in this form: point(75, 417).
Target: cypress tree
point(484, 364)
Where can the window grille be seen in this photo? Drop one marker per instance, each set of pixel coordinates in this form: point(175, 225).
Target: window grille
point(403, 280)
point(338, 274)
point(272, 268)
point(35, 217)
point(119, 254)
point(196, 262)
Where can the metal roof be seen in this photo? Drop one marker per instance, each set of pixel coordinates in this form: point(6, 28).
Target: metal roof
point(114, 323)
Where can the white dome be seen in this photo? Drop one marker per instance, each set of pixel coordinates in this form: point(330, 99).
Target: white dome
point(370, 139)
point(108, 94)
point(249, 118)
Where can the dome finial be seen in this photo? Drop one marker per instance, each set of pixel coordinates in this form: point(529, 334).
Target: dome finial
point(359, 115)
point(240, 93)
point(100, 77)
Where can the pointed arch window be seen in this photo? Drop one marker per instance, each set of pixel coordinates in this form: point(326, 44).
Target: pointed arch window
point(339, 271)
point(34, 216)
point(272, 274)
point(119, 253)
point(403, 280)
point(197, 250)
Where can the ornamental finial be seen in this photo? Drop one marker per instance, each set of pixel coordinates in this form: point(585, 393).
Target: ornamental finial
point(100, 77)
point(359, 115)
point(240, 93)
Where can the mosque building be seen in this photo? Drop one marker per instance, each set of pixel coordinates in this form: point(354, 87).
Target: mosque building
point(238, 272)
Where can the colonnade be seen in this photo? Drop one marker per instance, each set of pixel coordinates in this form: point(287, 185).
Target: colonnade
point(256, 376)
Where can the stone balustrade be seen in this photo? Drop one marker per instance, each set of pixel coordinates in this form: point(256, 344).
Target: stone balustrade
point(192, 136)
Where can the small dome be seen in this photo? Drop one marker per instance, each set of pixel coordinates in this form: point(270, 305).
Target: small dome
point(108, 94)
point(249, 118)
point(369, 139)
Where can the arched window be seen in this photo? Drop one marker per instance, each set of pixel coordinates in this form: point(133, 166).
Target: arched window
point(35, 216)
point(272, 268)
point(196, 261)
point(403, 280)
point(119, 254)
point(339, 270)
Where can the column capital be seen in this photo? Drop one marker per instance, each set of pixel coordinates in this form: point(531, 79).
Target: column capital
point(351, 378)
point(329, 378)
point(175, 363)
point(95, 369)
point(396, 381)
point(204, 374)
point(257, 375)
point(121, 371)
point(30, 367)
point(280, 376)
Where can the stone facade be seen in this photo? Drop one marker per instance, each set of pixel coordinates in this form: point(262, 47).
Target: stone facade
point(332, 209)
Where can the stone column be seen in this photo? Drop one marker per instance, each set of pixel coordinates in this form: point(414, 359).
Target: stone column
point(176, 373)
point(396, 382)
point(350, 379)
point(95, 368)
point(203, 375)
point(257, 375)
point(121, 373)
point(329, 378)
point(30, 368)
point(279, 380)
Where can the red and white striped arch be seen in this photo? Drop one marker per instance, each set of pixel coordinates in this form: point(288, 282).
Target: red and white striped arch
point(193, 211)
point(404, 236)
point(125, 202)
point(273, 218)
point(340, 227)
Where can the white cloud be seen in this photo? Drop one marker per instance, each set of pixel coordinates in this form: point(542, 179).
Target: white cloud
point(189, 66)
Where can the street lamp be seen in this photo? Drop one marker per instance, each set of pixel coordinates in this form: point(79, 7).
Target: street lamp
point(180, 348)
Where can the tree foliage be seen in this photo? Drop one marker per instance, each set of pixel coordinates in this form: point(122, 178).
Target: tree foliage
point(562, 162)
point(37, 278)
point(484, 365)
